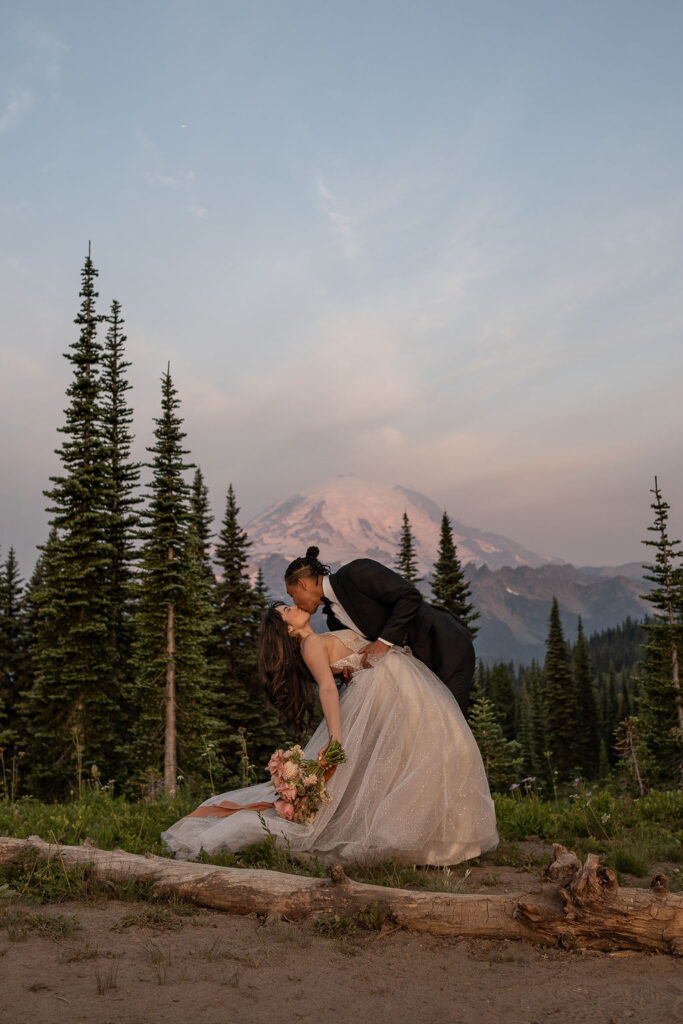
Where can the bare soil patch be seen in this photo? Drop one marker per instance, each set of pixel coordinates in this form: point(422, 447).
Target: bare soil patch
point(141, 963)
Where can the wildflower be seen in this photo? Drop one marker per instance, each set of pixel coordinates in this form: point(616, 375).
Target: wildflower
point(514, 785)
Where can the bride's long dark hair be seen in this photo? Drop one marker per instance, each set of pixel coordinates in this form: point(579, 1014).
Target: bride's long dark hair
point(285, 676)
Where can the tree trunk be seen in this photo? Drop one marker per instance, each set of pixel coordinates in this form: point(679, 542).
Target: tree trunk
point(170, 760)
point(582, 906)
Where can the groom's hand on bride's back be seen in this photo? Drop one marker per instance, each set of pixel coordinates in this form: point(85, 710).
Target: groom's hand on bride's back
point(376, 647)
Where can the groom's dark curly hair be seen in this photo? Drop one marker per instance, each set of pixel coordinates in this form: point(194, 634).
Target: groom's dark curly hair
point(286, 678)
point(307, 565)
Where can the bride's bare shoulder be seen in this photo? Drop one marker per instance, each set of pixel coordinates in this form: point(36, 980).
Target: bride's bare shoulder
point(331, 643)
point(339, 643)
point(314, 642)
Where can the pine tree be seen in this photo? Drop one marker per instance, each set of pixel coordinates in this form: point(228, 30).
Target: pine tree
point(203, 518)
point(624, 703)
point(241, 703)
point(480, 682)
point(73, 703)
point(406, 559)
point(34, 615)
point(501, 692)
point(171, 693)
point(609, 711)
point(450, 587)
point(11, 641)
point(122, 502)
point(533, 721)
point(501, 757)
point(560, 710)
point(587, 738)
point(660, 702)
point(261, 590)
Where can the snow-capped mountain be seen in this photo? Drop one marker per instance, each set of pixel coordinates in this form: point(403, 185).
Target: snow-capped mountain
point(511, 586)
point(351, 518)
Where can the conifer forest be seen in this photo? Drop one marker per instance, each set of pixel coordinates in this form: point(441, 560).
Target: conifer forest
point(128, 651)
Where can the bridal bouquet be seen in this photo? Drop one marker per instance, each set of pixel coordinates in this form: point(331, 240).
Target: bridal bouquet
point(300, 784)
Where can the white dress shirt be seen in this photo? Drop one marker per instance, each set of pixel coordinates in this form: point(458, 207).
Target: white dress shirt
point(341, 613)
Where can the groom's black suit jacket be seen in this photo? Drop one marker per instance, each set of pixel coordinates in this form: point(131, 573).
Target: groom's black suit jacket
point(382, 604)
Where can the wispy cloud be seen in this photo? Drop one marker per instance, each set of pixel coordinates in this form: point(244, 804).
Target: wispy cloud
point(183, 182)
point(339, 221)
point(18, 104)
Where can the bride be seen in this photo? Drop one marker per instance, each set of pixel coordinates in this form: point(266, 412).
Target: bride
point(413, 786)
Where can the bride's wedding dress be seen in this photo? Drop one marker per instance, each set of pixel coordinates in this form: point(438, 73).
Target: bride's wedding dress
point(413, 786)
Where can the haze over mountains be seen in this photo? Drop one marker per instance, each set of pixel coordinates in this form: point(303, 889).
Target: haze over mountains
point(512, 586)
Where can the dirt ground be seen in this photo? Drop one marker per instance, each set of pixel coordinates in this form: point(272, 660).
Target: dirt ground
point(141, 963)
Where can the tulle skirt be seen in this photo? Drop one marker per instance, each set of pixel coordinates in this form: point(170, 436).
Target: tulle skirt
point(413, 786)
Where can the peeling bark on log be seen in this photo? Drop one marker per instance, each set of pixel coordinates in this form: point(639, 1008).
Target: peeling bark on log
point(581, 907)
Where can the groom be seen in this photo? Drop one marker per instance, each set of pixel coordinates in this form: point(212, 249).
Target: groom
point(381, 606)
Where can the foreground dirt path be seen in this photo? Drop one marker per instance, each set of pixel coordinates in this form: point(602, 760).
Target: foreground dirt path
point(120, 968)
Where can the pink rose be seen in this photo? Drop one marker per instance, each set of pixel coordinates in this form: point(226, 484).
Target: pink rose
point(288, 793)
point(284, 809)
point(276, 763)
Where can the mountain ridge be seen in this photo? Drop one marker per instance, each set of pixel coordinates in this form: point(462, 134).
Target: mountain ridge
point(512, 586)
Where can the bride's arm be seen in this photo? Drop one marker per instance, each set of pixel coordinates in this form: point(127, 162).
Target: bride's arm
point(314, 653)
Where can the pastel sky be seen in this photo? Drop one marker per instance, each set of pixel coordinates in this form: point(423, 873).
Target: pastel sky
point(435, 244)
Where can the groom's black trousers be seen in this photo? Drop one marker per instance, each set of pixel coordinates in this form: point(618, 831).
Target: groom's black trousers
point(459, 682)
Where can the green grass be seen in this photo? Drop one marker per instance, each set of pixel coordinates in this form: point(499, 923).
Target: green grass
point(368, 918)
point(19, 924)
point(34, 880)
point(109, 821)
point(629, 834)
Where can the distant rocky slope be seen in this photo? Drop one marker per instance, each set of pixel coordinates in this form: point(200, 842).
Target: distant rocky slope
point(515, 604)
point(512, 587)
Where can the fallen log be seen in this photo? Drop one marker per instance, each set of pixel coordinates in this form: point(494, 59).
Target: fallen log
point(581, 905)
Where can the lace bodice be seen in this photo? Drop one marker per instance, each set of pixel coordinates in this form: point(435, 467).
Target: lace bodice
point(354, 642)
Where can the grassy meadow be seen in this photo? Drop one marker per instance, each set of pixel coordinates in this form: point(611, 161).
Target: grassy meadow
point(631, 835)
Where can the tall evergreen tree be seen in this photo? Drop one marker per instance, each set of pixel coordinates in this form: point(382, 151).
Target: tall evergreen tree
point(122, 500)
point(240, 702)
point(609, 711)
point(11, 641)
point(480, 682)
point(450, 587)
point(73, 703)
point(203, 518)
point(660, 710)
point(560, 709)
point(261, 590)
point(502, 758)
point(625, 705)
point(587, 739)
point(171, 693)
point(406, 558)
point(501, 691)
point(533, 721)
